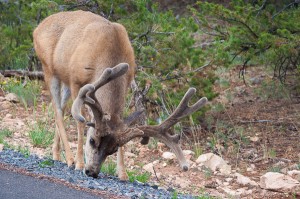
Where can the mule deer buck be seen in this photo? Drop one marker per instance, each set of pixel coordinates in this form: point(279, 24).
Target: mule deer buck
point(91, 59)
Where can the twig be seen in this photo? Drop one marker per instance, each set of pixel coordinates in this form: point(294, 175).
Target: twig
point(285, 7)
point(23, 73)
point(257, 121)
point(155, 174)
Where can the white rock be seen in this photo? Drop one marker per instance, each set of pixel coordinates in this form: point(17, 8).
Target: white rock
point(182, 182)
point(243, 180)
point(254, 139)
point(1, 147)
point(168, 155)
point(278, 182)
point(234, 193)
point(11, 97)
point(228, 179)
point(149, 168)
point(155, 162)
point(188, 152)
point(214, 162)
point(128, 154)
point(164, 164)
point(5, 105)
point(294, 174)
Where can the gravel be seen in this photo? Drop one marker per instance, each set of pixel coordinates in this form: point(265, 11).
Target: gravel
point(104, 182)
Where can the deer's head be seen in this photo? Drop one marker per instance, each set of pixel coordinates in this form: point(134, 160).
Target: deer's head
point(103, 139)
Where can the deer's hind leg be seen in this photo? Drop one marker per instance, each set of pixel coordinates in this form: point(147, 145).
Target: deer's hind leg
point(60, 94)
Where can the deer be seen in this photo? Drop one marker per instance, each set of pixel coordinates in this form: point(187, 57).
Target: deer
point(91, 60)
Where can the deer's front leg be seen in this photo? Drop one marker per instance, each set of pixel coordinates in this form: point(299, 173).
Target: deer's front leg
point(79, 159)
point(120, 165)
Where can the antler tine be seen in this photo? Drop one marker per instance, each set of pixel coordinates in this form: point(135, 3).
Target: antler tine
point(110, 74)
point(183, 109)
point(80, 100)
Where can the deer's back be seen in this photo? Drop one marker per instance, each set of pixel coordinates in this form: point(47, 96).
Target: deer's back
point(77, 46)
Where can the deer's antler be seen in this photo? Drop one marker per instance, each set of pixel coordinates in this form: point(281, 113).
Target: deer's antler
point(162, 130)
point(86, 95)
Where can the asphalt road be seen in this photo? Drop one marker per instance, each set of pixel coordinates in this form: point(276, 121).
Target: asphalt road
point(15, 186)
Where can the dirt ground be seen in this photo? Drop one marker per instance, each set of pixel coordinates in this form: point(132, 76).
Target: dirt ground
point(254, 127)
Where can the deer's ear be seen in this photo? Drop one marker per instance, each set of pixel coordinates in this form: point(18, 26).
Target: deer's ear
point(132, 117)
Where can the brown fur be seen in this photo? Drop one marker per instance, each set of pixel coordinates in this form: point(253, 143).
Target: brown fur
point(75, 48)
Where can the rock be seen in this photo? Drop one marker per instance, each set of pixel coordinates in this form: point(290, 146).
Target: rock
point(214, 162)
point(149, 168)
point(9, 116)
point(2, 99)
point(254, 139)
point(228, 179)
point(279, 182)
point(5, 105)
point(234, 193)
point(243, 180)
point(182, 183)
point(164, 164)
point(188, 152)
point(168, 155)
point(1, 147)
point(11, 97)
point(256, 80)
point(130, 155)
point(294, 174)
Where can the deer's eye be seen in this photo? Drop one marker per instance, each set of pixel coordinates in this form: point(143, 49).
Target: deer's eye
point(92, 141)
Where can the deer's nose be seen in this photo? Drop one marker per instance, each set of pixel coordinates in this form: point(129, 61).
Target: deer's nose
point(87, 172)
point(91, 174)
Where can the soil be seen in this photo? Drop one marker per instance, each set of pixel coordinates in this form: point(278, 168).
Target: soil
point(253, 126)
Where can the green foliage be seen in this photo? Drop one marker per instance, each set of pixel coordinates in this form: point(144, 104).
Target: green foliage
point(24, 150)
point(4, 133)
point(141, 177)
point(18, 19)
point(40, 135)
point(27, 91)
point(46, 163)
point(261, 33)
point(109, 167)
point(272, 90)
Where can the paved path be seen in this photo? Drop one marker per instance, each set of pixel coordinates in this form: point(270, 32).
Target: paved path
point(15, 186)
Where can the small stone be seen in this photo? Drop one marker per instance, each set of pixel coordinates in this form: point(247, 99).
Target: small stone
point(294, 174)
point(9, 116)
point(5, 105)
point(11, 97)
point(228, 179)
point(1, 147)
point(254, 139)
point(243, 180)
point(188, 152)
point(130, 155)
point(168, 155)
point(149, 167)
point(71, 180)
point(214, 162)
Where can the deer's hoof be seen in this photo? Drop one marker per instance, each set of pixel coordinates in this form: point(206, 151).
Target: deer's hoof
point(123, 177)
point(79, 166)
